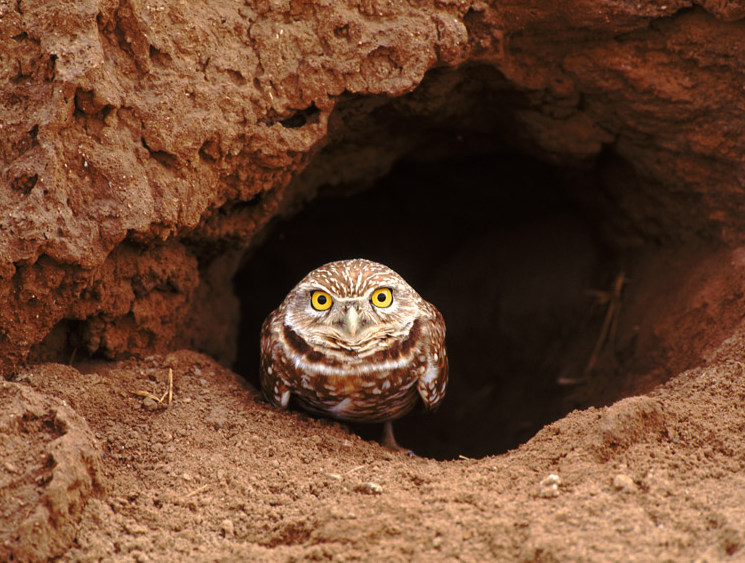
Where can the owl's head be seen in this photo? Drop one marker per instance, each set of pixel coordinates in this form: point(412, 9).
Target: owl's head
point(351, 303)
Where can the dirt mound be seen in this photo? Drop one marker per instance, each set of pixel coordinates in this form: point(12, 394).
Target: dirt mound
point(219, 474)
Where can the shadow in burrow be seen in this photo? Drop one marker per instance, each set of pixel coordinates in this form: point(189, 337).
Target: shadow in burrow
point(518, 268)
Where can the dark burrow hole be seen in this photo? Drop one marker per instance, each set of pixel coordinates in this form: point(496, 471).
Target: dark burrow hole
point(501, 245)
point(301, 117)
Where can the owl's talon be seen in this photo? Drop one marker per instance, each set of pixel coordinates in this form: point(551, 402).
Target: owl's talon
point(388, 440)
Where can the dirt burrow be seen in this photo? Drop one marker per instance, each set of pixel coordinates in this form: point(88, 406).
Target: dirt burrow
point(147, 148)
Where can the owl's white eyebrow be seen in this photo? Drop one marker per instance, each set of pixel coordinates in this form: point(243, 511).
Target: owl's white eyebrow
point(345, 299)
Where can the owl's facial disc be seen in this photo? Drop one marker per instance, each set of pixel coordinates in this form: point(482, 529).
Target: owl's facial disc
point(349, 318)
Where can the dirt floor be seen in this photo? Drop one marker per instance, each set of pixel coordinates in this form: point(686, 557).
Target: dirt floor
point(220, 475)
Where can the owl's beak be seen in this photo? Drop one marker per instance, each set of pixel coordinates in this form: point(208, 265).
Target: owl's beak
point(351, 322)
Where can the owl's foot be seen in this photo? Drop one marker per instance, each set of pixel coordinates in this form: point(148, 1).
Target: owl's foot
point(388, 440)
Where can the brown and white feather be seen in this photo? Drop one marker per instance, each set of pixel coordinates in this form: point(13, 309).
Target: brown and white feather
point(379, 374)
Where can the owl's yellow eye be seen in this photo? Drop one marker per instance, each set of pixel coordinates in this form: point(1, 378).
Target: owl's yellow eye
point(320, 300)
point(382, 297)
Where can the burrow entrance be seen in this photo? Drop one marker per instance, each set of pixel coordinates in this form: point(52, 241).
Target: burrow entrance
point(560, 287)
point(522, 275)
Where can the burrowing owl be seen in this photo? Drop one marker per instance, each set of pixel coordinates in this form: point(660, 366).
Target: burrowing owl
point(355, 342)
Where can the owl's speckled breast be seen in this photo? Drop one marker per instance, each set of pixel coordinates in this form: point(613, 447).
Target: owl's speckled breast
point(374, 396)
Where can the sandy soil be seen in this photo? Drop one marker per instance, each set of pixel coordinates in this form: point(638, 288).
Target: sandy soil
point(220, 475)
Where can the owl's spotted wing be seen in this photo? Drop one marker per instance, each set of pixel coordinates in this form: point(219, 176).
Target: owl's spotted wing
point(433, 382)
point(273, 379)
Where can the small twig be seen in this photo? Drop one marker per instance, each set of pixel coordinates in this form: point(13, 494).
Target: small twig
point(170, 385)
point(197, 491)
point(464, 458)
point(147, 395)
point(168, 393)
point(610, 322)
point(354, 469)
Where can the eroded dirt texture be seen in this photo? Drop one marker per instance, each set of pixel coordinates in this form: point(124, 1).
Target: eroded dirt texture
point(147, 150)
point(146, 145)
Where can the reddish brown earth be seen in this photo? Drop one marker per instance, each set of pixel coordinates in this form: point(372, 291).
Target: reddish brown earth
point(546, 149)
point(220, 475)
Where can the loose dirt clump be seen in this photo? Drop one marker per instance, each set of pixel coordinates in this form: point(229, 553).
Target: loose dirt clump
point(51, 467)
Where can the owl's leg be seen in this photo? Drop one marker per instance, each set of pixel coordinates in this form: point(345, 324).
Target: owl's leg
point(387, 440)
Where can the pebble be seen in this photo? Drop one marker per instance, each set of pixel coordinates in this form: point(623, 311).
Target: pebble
point(227, 527)
point(369, 488)
point(149, 404)
point(135, 529)
point(622, 482)
point(217, 418)
point(549, 486)
point(165, 438)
